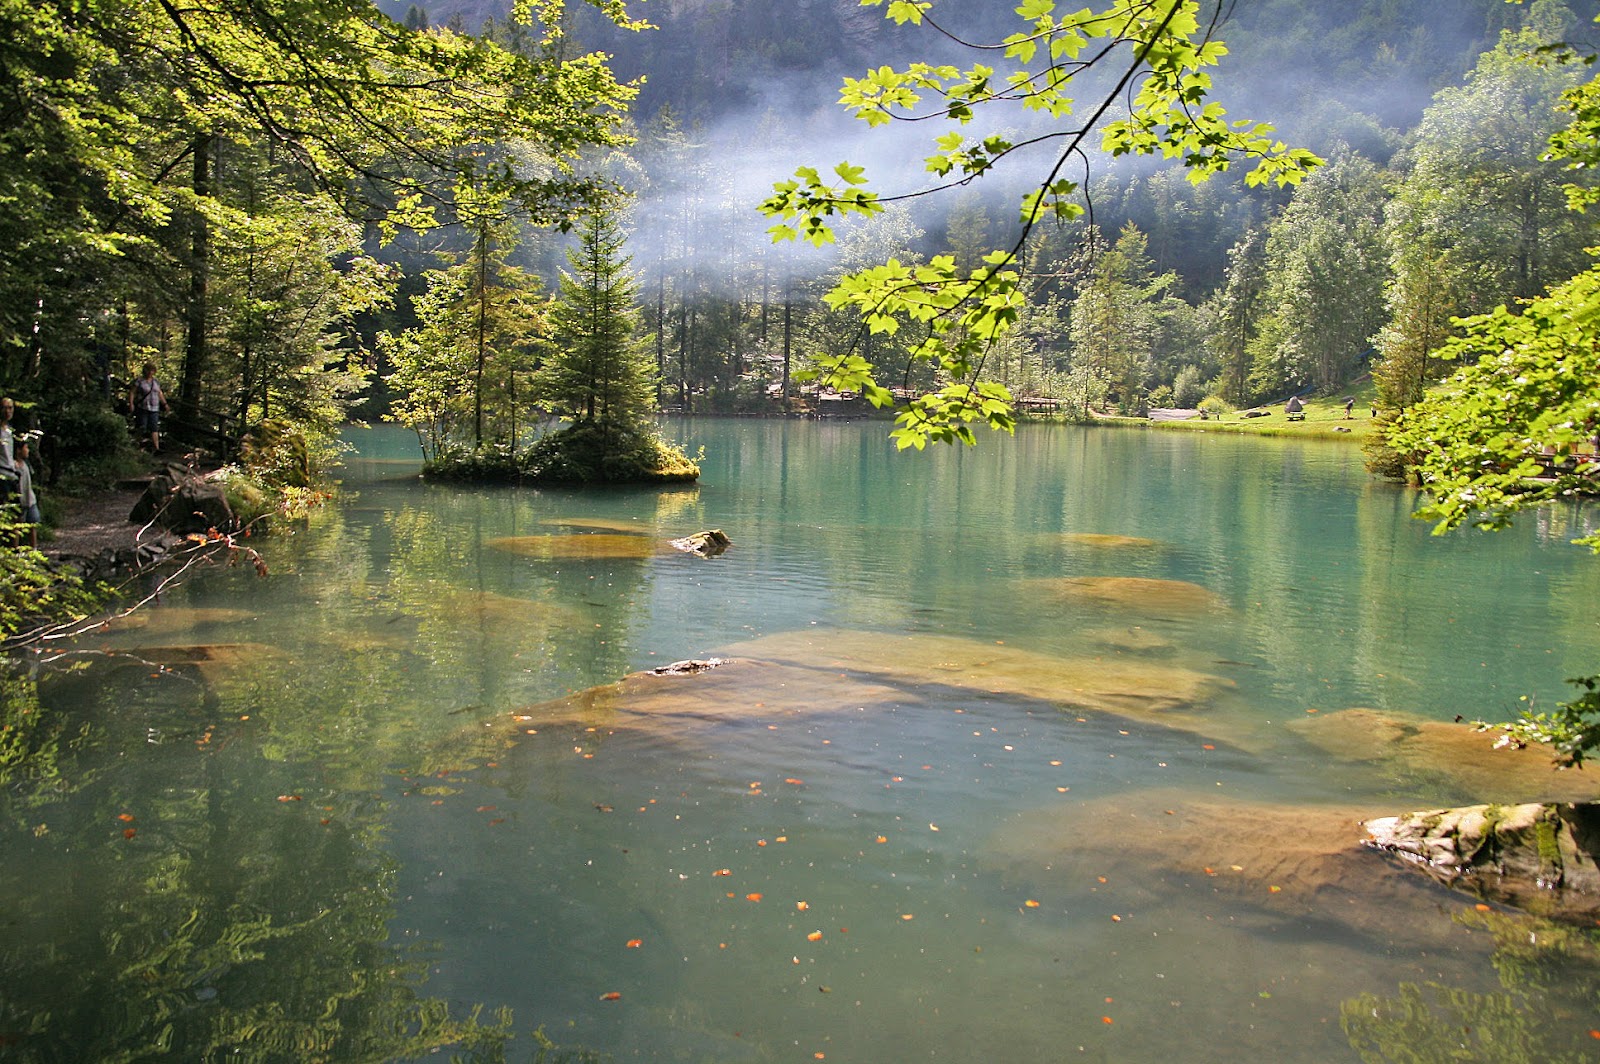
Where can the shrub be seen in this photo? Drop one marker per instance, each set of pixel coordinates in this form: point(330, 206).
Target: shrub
point(588, 453)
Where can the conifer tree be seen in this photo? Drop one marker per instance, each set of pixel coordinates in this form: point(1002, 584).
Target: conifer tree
point(600, 370)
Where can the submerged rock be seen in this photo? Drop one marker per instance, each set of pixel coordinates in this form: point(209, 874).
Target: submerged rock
point(1134, 639)
point(1125, 687)
point(1538, 857)
point(1460, 760)
point(707, 544)
point(1303, 861)
point(1144, 594)
point(594, 546)
point(622, 527)
point(1109, 541)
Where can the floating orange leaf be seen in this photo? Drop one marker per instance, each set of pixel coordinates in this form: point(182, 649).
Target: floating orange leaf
point(611, 996)
point(815, 936)
point(635, 943)
point(752, 897)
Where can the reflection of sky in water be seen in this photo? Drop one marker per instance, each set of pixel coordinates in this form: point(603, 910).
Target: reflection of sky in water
point(940, 651)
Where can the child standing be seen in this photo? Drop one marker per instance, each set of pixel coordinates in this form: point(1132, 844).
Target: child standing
point(26, 498)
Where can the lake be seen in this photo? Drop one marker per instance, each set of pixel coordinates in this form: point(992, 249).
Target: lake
point(1053, 748)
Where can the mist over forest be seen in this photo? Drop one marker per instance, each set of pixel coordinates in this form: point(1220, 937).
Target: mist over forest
point(734, 96)
point(754, 85)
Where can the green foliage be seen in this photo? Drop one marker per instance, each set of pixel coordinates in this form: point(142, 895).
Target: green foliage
point(1528, 398)
point(964, 314)
point(595, 453)
point(34, 593)
point(1325, 267)
point(1571, 730)
point(480, 321)
point(198, 186)
point(598, 369)
point(586, 452)
point(1504, 432)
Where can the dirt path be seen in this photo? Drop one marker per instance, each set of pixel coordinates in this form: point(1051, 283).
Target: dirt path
point(92, 524)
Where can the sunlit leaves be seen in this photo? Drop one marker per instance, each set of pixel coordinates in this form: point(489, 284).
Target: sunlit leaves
point(1532, 391)
point(1153, 48)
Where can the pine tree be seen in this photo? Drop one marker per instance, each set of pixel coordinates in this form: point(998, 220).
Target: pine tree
point(600, 370)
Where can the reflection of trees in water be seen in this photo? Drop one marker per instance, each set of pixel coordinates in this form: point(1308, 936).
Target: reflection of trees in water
point(188, 899)
point(1546, 1012)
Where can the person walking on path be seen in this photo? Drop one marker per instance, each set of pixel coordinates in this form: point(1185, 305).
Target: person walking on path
point(147, 402)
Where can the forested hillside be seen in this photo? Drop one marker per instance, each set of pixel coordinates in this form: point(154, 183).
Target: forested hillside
point(301, 207)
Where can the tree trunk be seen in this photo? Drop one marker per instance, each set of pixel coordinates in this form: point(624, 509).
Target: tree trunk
point(196, 348)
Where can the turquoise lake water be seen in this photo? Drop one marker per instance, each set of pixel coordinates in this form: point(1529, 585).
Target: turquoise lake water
point(1022, 752)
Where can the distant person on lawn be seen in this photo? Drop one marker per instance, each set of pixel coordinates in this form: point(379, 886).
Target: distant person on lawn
point(147, 402)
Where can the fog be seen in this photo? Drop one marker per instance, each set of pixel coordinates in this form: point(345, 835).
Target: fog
point(752, 87)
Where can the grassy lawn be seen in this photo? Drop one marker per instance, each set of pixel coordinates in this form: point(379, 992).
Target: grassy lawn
point(1324, 419)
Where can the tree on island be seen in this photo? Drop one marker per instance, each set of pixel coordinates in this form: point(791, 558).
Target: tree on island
point(600, 373)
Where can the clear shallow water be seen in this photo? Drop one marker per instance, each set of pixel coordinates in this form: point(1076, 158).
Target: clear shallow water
point(378, 801)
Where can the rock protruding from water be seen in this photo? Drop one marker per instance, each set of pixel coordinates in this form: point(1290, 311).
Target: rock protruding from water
point(1538, 857)
point(707, 544)
point(183, 501)
point(687, 667)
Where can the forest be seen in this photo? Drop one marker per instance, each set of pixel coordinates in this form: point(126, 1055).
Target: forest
point(307, 213)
